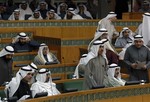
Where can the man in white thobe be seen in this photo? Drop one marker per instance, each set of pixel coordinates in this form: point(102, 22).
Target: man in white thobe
point(44, 83)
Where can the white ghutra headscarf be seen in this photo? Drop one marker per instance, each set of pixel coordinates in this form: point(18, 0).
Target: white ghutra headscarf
point(12, 16)
point(111, 73)
point(81, 61)
point(20, 35)
point(7, 50)
point(94, 51)
point(15, 82)
point(33, 67)
point(40, 53)
point(42, 86)
point(98, 34)
point(130, 34)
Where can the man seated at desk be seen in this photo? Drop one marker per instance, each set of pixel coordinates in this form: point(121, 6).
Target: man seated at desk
point(22, 43)
point(45, 57)
point(44, 83)
point(113, 77)
point(18, 86)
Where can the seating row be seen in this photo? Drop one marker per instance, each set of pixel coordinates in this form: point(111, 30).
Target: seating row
point(66, 85)
point(138, 93)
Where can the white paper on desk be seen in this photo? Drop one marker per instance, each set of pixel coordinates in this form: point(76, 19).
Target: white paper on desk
point(140, 64)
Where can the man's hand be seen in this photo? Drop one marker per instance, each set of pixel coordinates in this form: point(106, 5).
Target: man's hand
point(134, 65)
point(28, 40)
point(144, 67)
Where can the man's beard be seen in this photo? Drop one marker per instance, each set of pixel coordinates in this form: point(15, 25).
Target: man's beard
point(7, 59)
point(36, 17)
point(69, 16)
point(16, 18)
point(22, 43)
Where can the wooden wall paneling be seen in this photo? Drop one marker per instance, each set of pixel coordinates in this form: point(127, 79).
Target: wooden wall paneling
point(21, 29)
point(86, 32)
point(106, 100)
point(132, 15)
point(69, 32)
point(136, 15)
point(71, 54)
point(129, 99)
point(145, 98)
point(64, 33)
point(5, 40)
point(119, 28)
point(54, 32)
point(133, 28)
point(39, 31)
point(126, 16)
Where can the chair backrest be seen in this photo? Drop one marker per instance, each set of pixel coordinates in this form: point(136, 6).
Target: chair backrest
point(98, 87)
point(132, 83)
point(27, 16)
point(12, 99)
point(76, 84)
point(42, 94)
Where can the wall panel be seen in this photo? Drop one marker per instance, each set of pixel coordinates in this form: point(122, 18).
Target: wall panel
point(74, 34)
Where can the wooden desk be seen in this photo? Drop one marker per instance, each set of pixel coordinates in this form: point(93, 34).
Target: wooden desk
point(25, 58)
point(133, 93)
point(66, 80)
point(62, 70)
